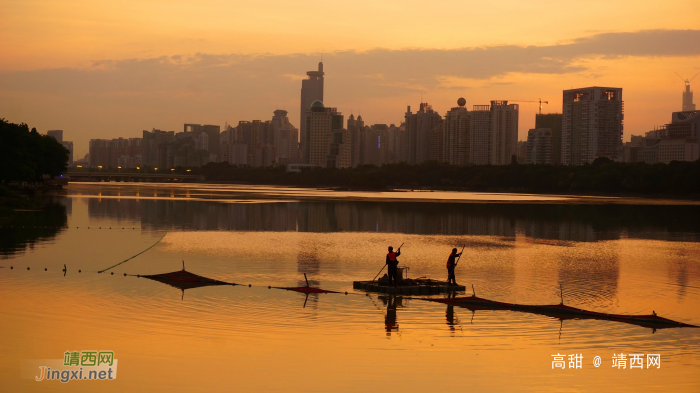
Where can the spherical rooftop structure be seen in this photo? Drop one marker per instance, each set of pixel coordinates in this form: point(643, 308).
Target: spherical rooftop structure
point(461, 101)
point(317, 106)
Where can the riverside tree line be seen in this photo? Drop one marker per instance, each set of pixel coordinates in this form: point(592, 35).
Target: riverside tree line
point(601, 176)
point(27, 155)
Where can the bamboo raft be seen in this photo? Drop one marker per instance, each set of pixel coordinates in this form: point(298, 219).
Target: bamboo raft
point(419, 286)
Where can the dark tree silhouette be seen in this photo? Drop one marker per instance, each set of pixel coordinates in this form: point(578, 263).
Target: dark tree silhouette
point(26, 155)
point(601, 176)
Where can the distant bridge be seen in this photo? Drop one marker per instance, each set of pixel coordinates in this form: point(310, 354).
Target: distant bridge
point(132, 177)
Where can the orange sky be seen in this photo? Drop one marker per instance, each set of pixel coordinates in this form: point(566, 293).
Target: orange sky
point(106, 69)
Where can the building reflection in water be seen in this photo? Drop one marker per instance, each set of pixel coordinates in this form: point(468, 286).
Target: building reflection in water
point(579, 223)
point(678, 271)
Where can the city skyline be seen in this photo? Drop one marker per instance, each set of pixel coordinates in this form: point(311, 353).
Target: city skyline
point(206, 74)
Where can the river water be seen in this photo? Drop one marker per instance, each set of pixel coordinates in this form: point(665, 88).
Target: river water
point(613, 255)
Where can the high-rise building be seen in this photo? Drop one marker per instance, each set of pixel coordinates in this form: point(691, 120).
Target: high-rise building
point(150, 147)
point(676, 141)
point(436, 141)
point(418, 126)
point(340, 152)
point(592, 124)
point(376, 149)
point(356, 128)
point(285, 139)
point(398, 143)
point(238, 154)
point(480, 131)
point(113, 153)
point(212, 137)
point(321, 122)
point(684, 125)
point(69, 146)
point(522, 152)
point(311, 91)
point(224, 141)
point(488, 135)
point(58, 134)
point(553, 122)
point(503, 145)
point(688, 104)
point(457, 135)
point(539, 146)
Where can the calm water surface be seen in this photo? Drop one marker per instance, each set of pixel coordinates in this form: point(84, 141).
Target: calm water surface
point(615, 256)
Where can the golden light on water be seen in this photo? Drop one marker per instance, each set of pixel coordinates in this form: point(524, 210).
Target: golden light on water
point(214, 337)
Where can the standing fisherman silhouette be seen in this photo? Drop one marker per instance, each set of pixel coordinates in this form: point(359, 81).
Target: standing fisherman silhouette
point(392, 264)
point(451, 264)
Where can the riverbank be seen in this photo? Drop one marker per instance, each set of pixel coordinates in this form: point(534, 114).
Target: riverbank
point(241, 193)
point(603, 177)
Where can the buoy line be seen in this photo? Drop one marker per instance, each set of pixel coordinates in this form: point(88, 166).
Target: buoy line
point(128, 259)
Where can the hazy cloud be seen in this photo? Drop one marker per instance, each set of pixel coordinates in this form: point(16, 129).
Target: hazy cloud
point(411, 68)
point(200, 85)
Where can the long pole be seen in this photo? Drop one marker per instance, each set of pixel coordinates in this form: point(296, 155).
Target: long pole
point(460, 255)
point(380, 272)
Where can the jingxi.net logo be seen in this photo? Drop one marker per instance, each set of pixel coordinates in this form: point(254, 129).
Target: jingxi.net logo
point(75, 366)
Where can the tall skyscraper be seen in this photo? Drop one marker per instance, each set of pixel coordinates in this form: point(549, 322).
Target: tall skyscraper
point(688, 104)
point(311, 90)
point(58, 134)
point(553, 122)
point(436, 142)
point(592, 127)
point(418, 126)
point(504, 132)
point(457, 135)
point(376, 149)
point(398, 143)
point(321, 123)
point(480, 131)
point(285, 138)
point(356, 129)
point(493, 133)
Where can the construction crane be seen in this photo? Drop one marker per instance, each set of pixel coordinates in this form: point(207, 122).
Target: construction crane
point(687, 81)
point(539, 101)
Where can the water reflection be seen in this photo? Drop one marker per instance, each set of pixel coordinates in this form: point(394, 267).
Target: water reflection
point(558, 223)
point(590, 275)
point(183, 279)
point(25, 228)
point(392, 304)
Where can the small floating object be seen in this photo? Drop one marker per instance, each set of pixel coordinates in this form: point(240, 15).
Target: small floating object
point(307, 289)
